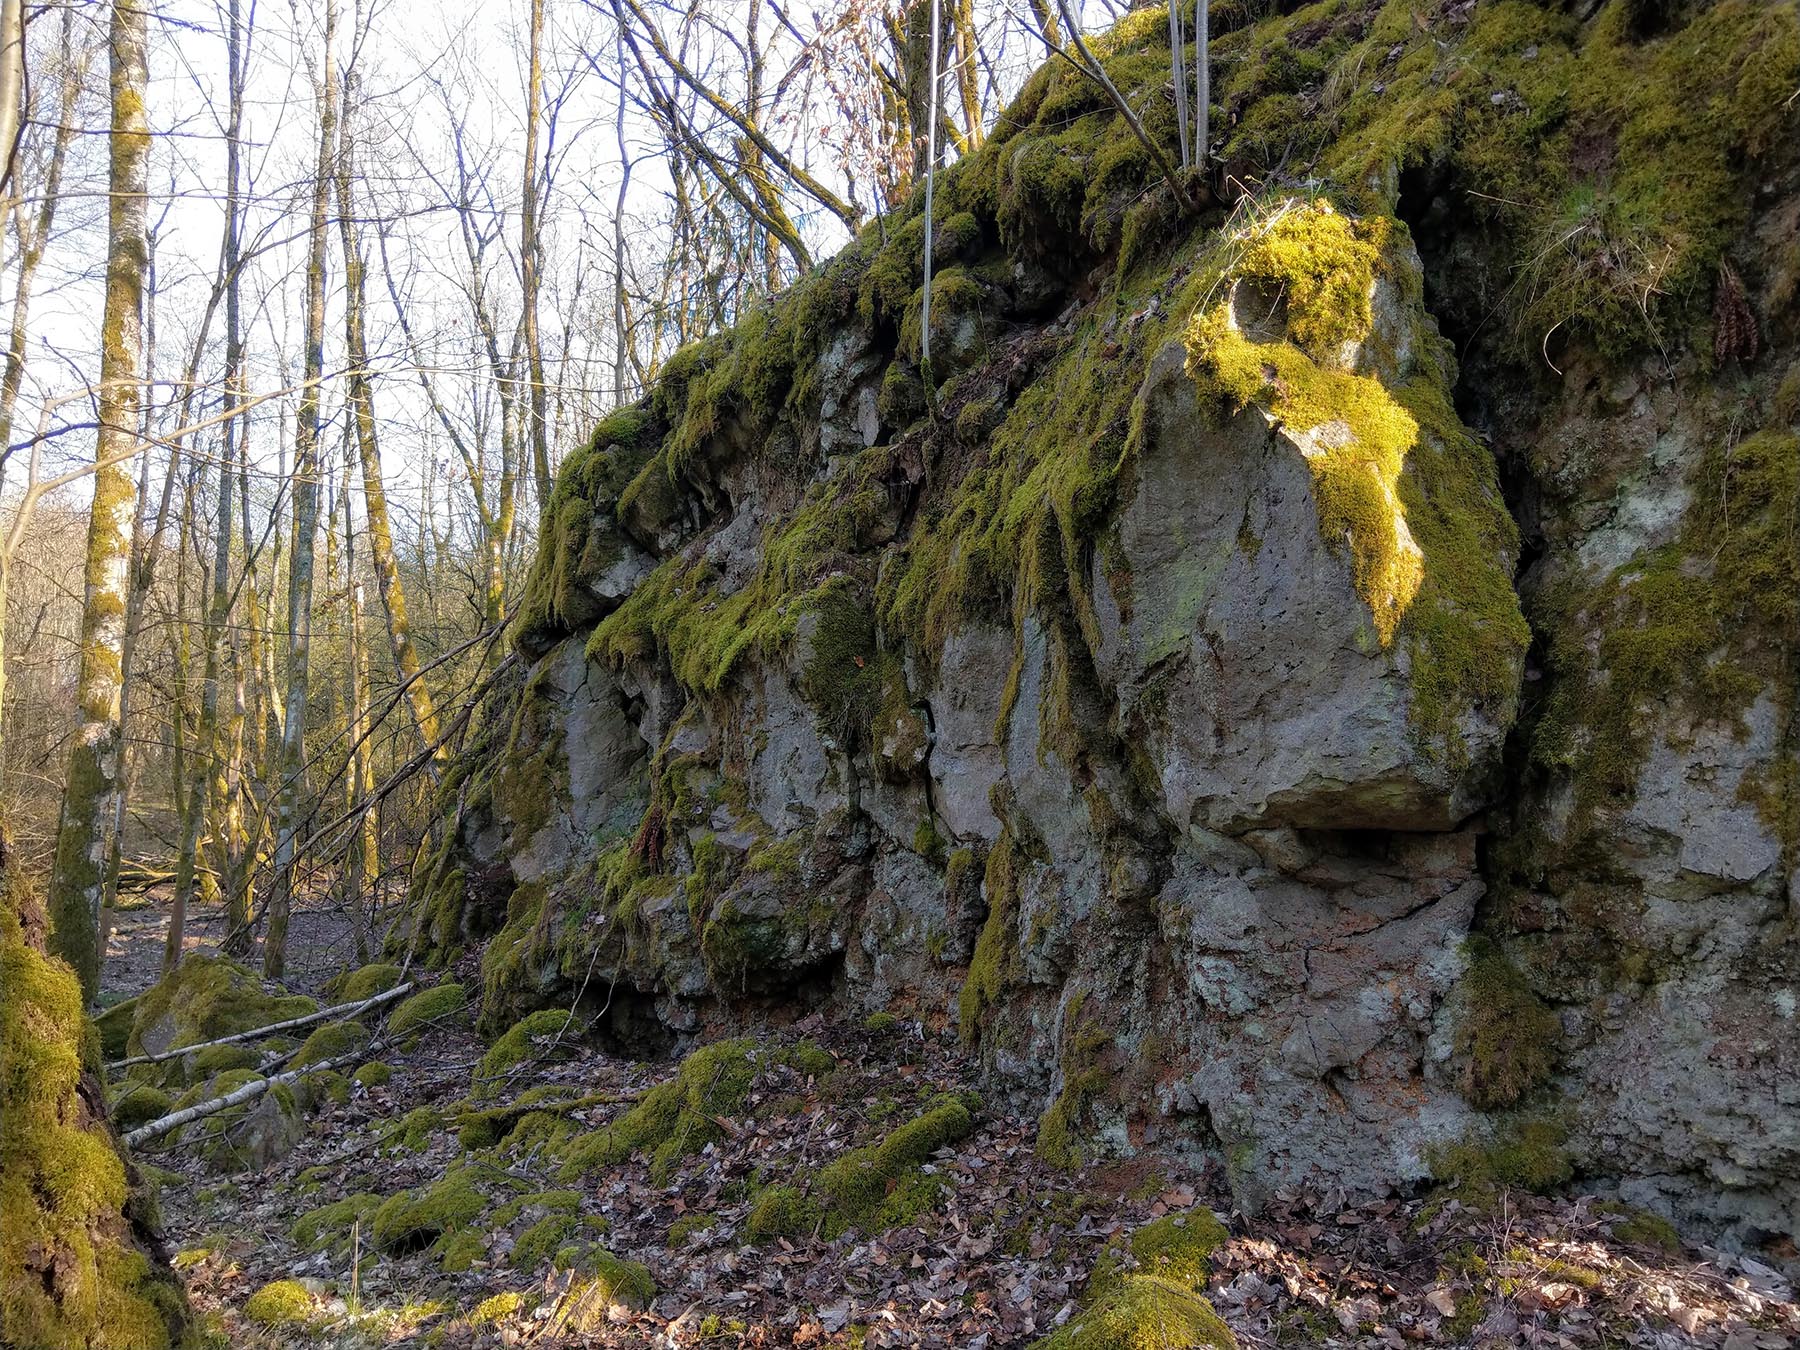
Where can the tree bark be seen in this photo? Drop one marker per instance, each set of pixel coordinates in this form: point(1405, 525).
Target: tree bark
point(89, 810)
point(306, 529)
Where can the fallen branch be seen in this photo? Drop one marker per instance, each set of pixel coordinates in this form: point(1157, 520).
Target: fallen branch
point(342, 1012)
point(156, 1129)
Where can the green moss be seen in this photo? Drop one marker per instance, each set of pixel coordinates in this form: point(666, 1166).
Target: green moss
point(418, 1012)
point(1509, 1038)
point(413, 1131)
point(538, 1243)
point(332, 1224)
point(496, 1308)
point(1176, 1248)
point(374, 1074)
point(204, 998)
point(282, 1303)
point(220, 1059)
point(137, 1103)
point(114, 1025)
point(674, 1118)
point(689, 1226)
point(331, 1041)
point(1527, 1154)
point(603, 1281)
point(990, 967)
point(365, 982)
point(410, 1220)
point(879, 1186)
point(781, 1212)
point(1641, 1228)
point(880, 1024)
point(70, 1266)
point(529, 1038)
point(1144, 1312)
point(1700, 625)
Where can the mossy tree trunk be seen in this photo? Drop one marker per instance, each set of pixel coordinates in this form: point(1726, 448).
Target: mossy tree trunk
point(78, 1269)
point(290, 788)
point(89, 812)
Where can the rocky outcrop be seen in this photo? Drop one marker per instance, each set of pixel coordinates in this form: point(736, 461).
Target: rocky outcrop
point(1309, 681)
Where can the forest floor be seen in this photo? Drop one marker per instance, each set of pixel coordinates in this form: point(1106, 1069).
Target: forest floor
point(998, 1257)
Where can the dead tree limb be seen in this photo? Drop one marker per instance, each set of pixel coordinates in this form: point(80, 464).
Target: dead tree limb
point(341, 1012)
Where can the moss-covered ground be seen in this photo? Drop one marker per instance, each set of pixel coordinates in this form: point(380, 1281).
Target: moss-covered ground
point(813, 1182)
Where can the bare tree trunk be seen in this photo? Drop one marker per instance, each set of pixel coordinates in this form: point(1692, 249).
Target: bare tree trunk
point(89, 812)
point(31, 253)
point(381, 537)
point(306, 529)
point(1202, 80)
point(12, 91)
point(529, 257)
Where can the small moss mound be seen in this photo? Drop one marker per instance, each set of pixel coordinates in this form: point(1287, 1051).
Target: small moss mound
point(331, 1041)
point(417, 1012)
point(333, 1223)
point(137, 1103)
point(1641, 1228)
point(540, 1242)
point(674, 1118)
point(1144, 1312)
point(365, 983)
point(282, 1303)
point(413, 1131)
point(372, 1075)
point(220, 1059)
point(412, 1220)
point(1175, 1247)
point(1523, 1154)
point(528, 1038)
point(781, 1212)
point(880, 1186)
point(602, 1282)
point(880, 1024)
point(496, 1308)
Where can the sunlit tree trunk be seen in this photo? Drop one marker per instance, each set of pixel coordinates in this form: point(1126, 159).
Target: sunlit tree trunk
point(89, 811)
point(305, 493)
point(33, 237)
point(530, 252)
point(380, 532)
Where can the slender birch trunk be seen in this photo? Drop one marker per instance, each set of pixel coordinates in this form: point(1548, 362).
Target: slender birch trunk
point(89, 812)
point(306, 529)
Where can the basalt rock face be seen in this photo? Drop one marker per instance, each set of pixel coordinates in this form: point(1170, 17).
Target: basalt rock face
point(1310, 681)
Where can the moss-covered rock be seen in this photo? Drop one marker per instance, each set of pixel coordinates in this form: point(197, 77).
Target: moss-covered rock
point(601, 1283)
point(674, 1118)
point(879, 1186)
point(78, 1269)
point(365, 982)
point(411, 1220)
point(374, 1074)
point(534, 1036)
point(332, 1224)
point(135, 1103)
point(334, 1040)
point(204, 998)
point(418, 1013)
